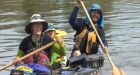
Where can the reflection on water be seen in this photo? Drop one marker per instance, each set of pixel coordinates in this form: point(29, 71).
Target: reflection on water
point(124, 39)
point(121, 26)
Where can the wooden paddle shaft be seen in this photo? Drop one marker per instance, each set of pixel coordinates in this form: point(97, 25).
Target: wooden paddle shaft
point(92, 24)
point(24, 57)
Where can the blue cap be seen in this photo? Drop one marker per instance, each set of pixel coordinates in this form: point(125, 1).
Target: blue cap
point(50, 27)
point(95, 6)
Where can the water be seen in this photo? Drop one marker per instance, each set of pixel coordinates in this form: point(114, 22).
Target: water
point(121, 28)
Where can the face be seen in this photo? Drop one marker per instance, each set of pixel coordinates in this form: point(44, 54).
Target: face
point(37, 28)
point(51, 33)
point(95, 15)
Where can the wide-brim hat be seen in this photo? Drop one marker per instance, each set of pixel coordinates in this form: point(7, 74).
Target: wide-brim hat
point(36, 18)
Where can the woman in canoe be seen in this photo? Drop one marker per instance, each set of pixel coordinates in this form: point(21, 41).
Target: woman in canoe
point(35, 40)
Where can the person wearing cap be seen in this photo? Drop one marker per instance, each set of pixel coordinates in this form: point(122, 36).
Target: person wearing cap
point(58, 50)
point(85, 38)
point(35, 40)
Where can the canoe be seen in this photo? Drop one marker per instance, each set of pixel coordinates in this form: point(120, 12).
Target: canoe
point(84, 65)
point(81, 65)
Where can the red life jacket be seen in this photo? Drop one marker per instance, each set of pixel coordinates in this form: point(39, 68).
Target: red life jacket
point(42, 59)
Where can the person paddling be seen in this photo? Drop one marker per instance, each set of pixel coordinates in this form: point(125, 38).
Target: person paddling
point(35, 40)
point(58, 50)
point(85, 39)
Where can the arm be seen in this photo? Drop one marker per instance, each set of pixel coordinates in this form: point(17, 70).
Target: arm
point(45, 40)
point(23, 47)
point(73, 16)
point(59, 48)
point(21, 51)
point(76, 23)
point(102, 36)
point(19, 55)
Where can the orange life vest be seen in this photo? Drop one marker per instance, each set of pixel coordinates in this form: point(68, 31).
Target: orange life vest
point(91, 38)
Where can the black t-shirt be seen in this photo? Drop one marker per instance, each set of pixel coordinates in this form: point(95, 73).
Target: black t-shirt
point(27, 45)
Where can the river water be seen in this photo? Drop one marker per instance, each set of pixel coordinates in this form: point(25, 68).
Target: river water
point(122, 19)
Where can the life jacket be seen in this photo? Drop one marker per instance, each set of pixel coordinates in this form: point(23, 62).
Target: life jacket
point(54, 56)
point(88, 37)
point(57, 54)
point(40, 58)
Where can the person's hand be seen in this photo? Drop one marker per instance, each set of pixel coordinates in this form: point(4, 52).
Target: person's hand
point(105, 50)
point(64, 62)
point(16, 60)
point(78, 3)
point(59, 40)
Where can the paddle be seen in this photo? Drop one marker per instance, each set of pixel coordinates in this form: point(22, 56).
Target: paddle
point(24, 57)
point(115, 70)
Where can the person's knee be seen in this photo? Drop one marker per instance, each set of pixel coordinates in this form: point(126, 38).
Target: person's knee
point(76, 53)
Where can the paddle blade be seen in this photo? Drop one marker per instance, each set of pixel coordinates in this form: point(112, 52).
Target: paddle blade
point(115, 71)
point(122, 72)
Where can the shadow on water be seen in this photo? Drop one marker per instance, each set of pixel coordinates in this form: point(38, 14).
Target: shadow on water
point(121, 28)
